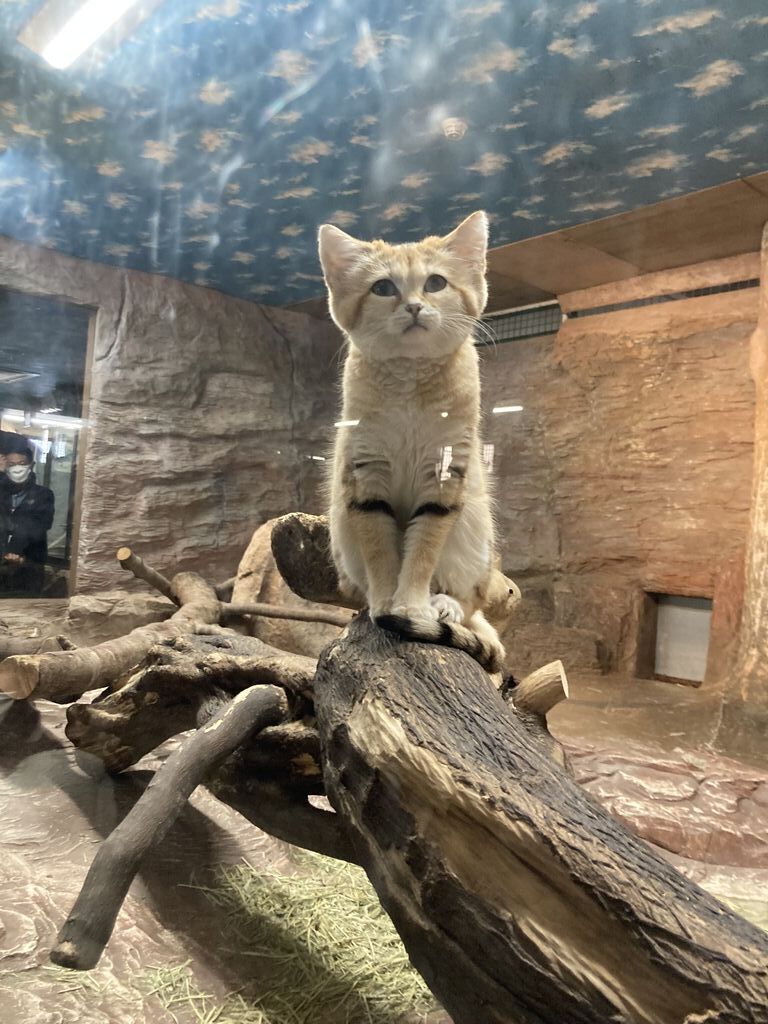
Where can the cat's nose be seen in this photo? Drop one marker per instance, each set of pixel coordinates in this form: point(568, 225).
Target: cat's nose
point(414, 308)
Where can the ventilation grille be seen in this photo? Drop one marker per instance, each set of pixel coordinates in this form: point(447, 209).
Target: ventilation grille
point(715, 289)
point(527, 323)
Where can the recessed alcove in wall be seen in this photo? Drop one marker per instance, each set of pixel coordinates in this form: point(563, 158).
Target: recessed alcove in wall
point(673, 639)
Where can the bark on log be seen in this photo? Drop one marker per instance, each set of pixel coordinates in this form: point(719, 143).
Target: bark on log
point(517, 898)
point(302, 549)
point(258, 580)
point(11, 645)
point(284, 815)
point(63, 675)
point(87, 929)
point(183, 681)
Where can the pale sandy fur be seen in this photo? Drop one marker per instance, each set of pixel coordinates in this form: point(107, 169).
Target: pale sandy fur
point(413, 393)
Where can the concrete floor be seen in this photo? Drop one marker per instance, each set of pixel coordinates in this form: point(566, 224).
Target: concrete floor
point(636, 745)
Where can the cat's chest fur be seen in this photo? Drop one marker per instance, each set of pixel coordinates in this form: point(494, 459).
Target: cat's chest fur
point(407, 426)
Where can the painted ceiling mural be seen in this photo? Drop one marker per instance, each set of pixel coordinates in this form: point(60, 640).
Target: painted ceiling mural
point(216, 138)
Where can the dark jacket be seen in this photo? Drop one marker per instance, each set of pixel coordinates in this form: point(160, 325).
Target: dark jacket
point(24, 530)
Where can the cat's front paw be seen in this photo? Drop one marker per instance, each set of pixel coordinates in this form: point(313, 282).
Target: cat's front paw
point(424, 612)
point(448, 608)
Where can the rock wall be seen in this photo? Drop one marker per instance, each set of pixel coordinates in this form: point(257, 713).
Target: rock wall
point(628, 470)
point(630, 467)
point(204, 413)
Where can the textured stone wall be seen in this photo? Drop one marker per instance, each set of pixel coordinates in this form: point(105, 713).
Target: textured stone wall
point(204, 411)
point(630, 467)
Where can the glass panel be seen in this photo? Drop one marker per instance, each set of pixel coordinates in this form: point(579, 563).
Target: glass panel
point(43, 346)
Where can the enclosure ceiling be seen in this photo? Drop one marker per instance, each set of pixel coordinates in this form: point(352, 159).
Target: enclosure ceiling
point(210, 142)
point(726, 220)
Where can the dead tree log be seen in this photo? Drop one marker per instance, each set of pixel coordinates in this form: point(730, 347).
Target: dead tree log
point(518, 899)
point(87, 929)
point(63, 675)
point(183, 681)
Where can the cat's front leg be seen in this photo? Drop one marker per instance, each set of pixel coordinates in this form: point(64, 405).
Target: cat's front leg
point(439, 505)
point(371, 521)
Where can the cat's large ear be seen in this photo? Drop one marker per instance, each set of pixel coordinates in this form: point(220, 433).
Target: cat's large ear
point(338, 252)
point(469, 240)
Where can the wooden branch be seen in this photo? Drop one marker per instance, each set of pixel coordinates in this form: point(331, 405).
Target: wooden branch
point(133, 563)
point(224, 590)
point(183, 679)
point(302, 552)
point(11, 645)
point(517, 897)
point(540, 691)
point(87, 930)
point(285, 816)
point(63, 675)
point(275, 611)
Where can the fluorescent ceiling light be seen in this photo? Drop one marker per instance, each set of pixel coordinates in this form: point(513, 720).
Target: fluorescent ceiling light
point(507, 408)
point(18, 416)
point(14, 376)
point(346, 423)
point(82, 30)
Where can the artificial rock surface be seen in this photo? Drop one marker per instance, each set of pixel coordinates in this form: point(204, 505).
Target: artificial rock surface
point(204, 414)
point(630, 467)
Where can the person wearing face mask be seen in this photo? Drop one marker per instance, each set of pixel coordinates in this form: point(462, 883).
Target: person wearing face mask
point(26, 516)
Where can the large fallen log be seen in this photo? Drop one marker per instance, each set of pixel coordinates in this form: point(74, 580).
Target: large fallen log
point(518, 899)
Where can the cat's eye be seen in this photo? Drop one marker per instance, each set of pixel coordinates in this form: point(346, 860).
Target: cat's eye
point(435, 283)
point(384, 287)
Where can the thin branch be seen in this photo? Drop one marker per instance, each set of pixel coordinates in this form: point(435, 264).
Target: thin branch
point(133, 563)
point(276, 611)
point(86, 932)
point(225, 588)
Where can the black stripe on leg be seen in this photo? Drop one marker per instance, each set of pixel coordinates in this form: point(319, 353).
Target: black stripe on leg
point(372, 505)
point(433, 508)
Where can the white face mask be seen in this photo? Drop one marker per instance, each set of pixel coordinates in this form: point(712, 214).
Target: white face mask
point(18, 474)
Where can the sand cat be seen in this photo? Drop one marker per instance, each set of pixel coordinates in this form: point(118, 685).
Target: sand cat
point(410, 514)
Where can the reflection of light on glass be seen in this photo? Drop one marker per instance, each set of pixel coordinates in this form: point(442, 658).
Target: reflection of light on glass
point(488, 450)
point(346, 423)
point(83, 29)
point(317, 458)
point(17, 416)
point(506, 408)
point(59, 446)
point(446, 454)
point(444, 414)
